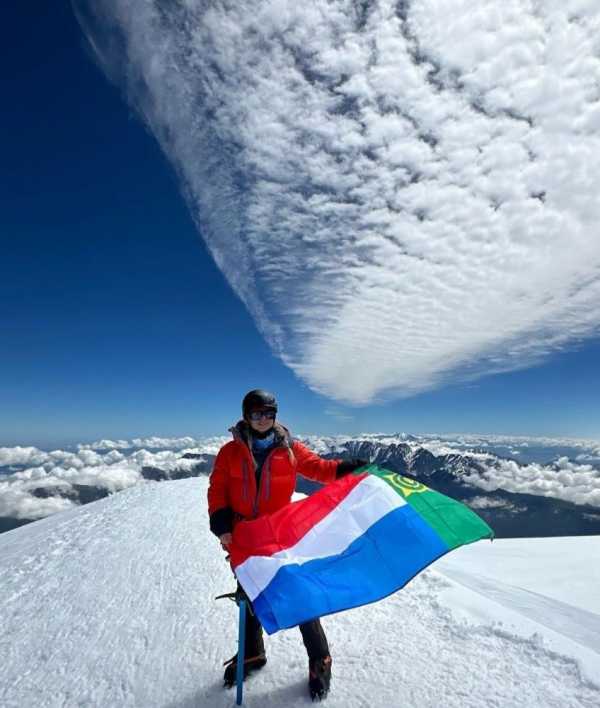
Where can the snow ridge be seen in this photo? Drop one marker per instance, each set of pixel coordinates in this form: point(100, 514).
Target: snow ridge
point(111, 604)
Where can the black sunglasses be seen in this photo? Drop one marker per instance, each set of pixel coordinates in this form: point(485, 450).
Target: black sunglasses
point(255, 416)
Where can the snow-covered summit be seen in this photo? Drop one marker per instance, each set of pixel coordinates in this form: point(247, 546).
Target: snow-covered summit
point(111, 604)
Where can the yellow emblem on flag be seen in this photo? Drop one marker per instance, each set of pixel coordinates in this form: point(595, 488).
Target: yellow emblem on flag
point(405, 485)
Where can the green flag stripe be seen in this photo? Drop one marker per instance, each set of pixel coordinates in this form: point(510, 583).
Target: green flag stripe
point(455, 523)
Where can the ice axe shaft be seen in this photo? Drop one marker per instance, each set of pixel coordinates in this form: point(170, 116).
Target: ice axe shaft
point(239, 677)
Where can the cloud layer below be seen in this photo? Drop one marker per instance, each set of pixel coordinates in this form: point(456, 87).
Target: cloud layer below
point(116, 464)
point(402, 192)
point(101, 464)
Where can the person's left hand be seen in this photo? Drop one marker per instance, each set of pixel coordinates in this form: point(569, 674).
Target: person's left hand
point(347, 466)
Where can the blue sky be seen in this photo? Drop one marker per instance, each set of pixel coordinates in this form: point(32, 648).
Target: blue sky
point(116, 321)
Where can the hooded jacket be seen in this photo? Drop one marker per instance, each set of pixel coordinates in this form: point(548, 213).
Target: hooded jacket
point(233, 493)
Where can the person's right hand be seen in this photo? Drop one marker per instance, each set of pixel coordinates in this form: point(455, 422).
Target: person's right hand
point(225, 541)
point(347, 466)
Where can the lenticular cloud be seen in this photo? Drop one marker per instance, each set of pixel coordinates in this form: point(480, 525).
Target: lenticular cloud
point(400, 192)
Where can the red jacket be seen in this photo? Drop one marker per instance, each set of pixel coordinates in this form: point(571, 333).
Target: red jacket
point(232, 492)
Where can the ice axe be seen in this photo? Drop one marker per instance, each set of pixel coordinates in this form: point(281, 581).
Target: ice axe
point(241, 657)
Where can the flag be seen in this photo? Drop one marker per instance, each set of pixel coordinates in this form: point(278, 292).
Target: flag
point(354, 541)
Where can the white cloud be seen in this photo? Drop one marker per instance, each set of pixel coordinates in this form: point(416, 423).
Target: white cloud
point(563, 479)
point(59, 470)
point(155, 442)
point(106, 445)
point(491, 503)
point(589, 446)
point(400, 192)
point(21, 456)
point(113, 470)
point(17, 503)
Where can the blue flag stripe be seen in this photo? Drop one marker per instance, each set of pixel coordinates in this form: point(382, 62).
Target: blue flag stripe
point(379, 562)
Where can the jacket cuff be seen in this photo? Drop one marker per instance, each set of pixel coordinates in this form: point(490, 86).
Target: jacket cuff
point(221, 521)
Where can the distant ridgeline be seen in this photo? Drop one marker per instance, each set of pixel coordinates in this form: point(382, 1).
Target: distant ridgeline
point(510, 514)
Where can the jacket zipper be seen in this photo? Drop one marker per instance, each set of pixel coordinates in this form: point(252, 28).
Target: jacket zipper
point(245, 482)
point(266, 472)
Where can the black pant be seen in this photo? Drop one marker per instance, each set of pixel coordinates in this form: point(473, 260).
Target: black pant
point(312, 632)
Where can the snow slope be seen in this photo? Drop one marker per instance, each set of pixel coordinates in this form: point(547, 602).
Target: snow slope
point(111, 604)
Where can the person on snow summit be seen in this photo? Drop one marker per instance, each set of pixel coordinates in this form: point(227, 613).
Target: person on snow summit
point(255, 474)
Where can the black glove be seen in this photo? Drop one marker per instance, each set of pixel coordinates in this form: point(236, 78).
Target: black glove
point(221, 521)
point(347, 466)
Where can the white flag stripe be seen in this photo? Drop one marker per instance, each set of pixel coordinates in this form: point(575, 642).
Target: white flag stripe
point(366, 504)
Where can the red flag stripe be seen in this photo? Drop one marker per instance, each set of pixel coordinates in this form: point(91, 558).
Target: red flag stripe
point(284, 528)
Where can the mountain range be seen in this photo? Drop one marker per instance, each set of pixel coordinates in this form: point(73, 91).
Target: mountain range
point(479, 478)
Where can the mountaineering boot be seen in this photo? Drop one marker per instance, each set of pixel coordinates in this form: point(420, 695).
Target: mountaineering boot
point(252, 663)
point(319, 677)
